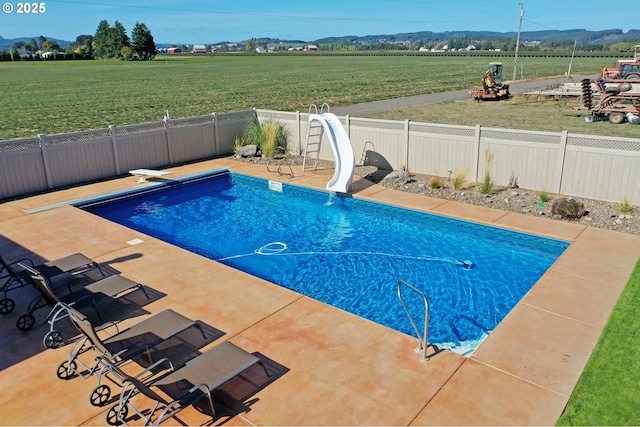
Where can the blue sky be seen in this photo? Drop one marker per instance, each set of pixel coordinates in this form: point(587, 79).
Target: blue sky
point(206, 22)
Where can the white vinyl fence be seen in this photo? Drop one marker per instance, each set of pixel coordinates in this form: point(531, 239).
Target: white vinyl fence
point(595, 167)
point(47, 162)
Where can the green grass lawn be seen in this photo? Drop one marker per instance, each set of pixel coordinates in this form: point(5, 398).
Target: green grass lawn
point(608, 392)
point(67, 96)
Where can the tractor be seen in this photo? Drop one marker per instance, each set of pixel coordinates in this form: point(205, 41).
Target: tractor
point(492, 87)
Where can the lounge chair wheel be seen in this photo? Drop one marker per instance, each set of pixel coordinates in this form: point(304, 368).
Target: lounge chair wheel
point(7, 305)
point(26, 322)
point(53, 339)
point(112, 415)
point(100, 395)
point(67, 370)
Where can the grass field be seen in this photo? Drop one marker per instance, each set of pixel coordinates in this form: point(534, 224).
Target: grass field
point(518, 112)
point(59, 97)
point(607, 393)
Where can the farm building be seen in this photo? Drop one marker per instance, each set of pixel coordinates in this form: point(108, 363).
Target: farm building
point(199, 48)
point(173, 50)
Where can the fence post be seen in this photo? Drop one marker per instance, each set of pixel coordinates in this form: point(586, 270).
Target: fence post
point(406, 141)
point(477, 153)
point(167, 129)
point(114, 147)
point(347, 125)
point(299, 133)
point(561, 158)
point(216, 134)
point(45, 159)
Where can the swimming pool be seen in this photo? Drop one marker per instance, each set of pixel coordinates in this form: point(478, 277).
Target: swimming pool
point(348, 252)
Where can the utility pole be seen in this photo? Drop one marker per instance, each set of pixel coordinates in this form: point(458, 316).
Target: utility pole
point(575, 43)
point(515, 64)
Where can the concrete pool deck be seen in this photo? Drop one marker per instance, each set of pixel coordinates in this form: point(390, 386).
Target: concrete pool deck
point(329, 367)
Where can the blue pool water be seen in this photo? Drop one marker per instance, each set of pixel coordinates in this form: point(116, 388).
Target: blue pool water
point(347, 252)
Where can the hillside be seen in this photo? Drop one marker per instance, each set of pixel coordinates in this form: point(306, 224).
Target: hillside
point(604, 37)
point(5, 44)
point(582, 36)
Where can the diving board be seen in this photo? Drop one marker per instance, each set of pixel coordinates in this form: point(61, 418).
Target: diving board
point(143, 174)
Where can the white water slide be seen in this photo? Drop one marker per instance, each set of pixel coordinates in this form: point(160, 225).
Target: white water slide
point(342, 151)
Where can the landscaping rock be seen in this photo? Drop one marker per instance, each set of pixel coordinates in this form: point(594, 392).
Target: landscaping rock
point(248, 151)
point(567, 208)
point(399, 177)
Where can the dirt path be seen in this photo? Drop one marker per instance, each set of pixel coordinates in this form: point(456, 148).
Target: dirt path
point(435, 98)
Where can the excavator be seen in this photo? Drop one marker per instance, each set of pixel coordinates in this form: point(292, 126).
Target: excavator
point(492, 87)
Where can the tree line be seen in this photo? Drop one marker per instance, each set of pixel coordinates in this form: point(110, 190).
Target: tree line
point(109, 42)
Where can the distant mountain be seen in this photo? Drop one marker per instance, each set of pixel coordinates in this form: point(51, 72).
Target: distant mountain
point(5, 44)
point(604, 37)
point(582, 36)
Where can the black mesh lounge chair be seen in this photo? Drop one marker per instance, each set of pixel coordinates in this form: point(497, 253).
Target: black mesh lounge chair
point(151, 343)
point(12, 277)
point(184, 386)
point(89, 295)
point(15, 277)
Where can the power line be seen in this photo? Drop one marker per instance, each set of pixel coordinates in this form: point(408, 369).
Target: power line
point(221, 12)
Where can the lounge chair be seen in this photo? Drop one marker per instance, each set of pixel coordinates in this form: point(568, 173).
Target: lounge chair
point(17, 278)
point(89, 295)
point(151, 343)
point(12, 278)
point(186, 386)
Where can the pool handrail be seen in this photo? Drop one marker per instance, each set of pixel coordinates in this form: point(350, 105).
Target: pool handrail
point(422, 337)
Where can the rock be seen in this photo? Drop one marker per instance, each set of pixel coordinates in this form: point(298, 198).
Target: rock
point(421, 186)
point(400, 177)
point(618, 221)
point(567, 208)
point(248, 151)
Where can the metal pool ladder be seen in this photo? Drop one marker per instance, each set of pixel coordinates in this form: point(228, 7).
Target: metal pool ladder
point(313, 139)
point(422, 337)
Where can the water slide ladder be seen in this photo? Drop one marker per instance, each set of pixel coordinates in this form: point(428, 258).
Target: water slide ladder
point(424, 335)
point(313, 139)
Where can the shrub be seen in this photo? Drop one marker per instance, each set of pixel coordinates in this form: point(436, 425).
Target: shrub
point(544, 196)
point(253, 134)
point(625, 206)
point(270, 131)
point(237, 144)
point(487, 186)
point(436, 182)
point(513, 181)
point(459, 179)
point(270, 136)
